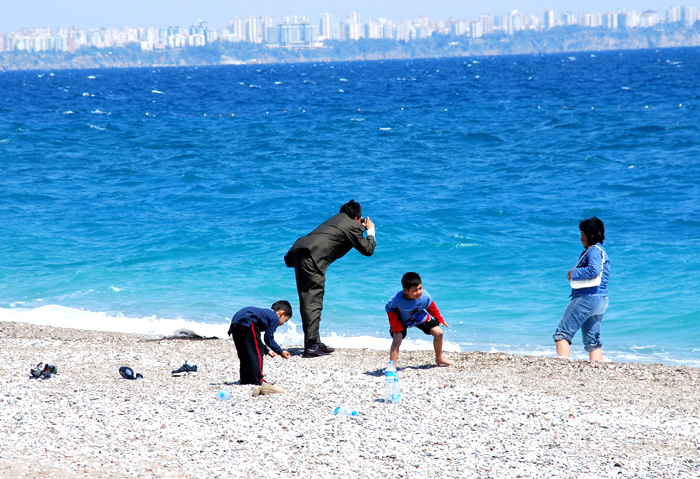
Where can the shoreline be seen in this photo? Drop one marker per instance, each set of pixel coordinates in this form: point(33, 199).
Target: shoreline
point(491, 415)
point(62, 317)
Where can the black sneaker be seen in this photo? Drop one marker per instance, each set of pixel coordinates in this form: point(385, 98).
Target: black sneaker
point(185, 369)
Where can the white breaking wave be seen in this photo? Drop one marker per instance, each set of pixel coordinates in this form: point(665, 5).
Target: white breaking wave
point(288, 335)
point(63, 317)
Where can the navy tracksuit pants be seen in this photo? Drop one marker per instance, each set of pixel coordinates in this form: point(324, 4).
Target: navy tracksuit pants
point(251, 350)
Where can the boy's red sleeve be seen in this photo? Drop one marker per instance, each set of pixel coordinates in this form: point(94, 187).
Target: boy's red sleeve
point(396, 326)
point(435, 313)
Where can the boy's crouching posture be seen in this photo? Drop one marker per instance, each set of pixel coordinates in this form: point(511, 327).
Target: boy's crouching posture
point(245, 329)
point(410, 307)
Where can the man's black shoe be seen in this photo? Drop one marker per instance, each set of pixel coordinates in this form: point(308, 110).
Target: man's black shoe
point(313, 352)
point(326, 349)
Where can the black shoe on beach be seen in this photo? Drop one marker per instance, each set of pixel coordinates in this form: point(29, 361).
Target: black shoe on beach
point(313, 352)
point(185, 369)
point(326, 349)
point(128, 373)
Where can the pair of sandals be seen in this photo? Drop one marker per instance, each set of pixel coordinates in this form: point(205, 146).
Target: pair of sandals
point(43, 371)
point(128, 373)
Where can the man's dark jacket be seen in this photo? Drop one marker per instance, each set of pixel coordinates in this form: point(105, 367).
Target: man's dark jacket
point(332, 240)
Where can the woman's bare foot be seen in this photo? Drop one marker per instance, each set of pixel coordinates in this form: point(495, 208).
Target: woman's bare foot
point(443, 362)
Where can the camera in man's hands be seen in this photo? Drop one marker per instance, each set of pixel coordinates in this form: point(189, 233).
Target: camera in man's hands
point(363, 221)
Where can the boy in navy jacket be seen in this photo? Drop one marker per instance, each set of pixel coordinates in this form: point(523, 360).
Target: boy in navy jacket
point(245, 329)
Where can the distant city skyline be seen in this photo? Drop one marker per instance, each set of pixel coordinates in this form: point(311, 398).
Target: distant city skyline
point(15, 15)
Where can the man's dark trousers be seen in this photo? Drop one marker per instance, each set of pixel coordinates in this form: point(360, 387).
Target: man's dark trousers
point(250, 351)
point(311, 283)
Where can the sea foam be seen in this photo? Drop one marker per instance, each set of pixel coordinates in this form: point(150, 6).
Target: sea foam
point(288, 335)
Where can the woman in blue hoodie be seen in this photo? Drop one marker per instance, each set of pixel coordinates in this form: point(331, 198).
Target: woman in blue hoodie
point(589, 293)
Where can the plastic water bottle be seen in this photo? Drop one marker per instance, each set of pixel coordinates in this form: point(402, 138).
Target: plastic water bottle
point(223, 395)
point(344, 411)
point(389, 378)
point(396, 392)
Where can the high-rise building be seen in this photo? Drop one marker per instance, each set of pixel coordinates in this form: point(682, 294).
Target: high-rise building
point(389, 30)
point(457, 29)
point(236, 30)
point(548, 19)
point(252, 30)
point(326, 27)
point(476, 29)
point(584, 19)
point(310, 33)
point(673, 15)
point(568, 18)
point(373, 29)
point(404, 31)
point(689, 15)
point(610, 21)
point(353, 27)
point(487, 23)
point(515, 22)
point(265, 23)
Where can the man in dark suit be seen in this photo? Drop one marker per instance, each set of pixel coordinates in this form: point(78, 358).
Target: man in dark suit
point(311, 255)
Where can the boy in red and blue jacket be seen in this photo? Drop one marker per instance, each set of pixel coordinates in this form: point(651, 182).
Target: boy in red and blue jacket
point(413, 306)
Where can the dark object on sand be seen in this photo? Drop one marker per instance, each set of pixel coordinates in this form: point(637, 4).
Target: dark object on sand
point(128, 373)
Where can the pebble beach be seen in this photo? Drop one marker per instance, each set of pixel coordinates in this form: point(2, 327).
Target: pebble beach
point(492, 415)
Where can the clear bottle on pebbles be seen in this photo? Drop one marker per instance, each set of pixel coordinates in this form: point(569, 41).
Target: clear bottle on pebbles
point(344, 411)
point(389, 378)
point(223, 395)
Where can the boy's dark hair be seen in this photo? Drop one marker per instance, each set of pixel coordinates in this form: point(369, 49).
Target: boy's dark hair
point(594, 230)
point(283, 305)
point(352, 208)
point(410, 279)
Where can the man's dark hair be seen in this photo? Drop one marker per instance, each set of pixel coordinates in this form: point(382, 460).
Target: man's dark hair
point(283, 305)
point(410, 280)
point(352, 208)
point(594, 230)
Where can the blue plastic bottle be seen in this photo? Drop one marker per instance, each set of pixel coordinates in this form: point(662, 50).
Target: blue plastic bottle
point(389, 378)
point(223, 395)
point(343, 411)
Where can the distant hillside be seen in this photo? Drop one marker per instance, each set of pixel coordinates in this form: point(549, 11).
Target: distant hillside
point(561, 39)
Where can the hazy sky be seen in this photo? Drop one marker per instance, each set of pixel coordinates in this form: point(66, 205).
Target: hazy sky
point(15, 14)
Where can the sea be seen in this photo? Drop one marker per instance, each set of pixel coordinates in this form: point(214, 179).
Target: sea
point(158, 200)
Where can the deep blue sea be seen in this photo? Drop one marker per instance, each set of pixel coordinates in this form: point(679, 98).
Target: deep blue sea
point(153, 199)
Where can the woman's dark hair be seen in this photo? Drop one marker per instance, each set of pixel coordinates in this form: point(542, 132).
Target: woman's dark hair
point(283, 306)
point(352, 208)
point(594, 230)
point(410, 280)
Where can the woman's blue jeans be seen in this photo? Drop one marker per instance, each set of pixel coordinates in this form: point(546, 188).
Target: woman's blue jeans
point(584, 313)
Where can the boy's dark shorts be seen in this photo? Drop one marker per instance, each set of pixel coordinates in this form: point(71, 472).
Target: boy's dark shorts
point(425, 327)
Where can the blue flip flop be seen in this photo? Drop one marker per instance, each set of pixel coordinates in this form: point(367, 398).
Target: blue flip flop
point(128, 373)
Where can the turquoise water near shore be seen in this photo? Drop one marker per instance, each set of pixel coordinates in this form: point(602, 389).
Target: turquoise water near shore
point(133, 197)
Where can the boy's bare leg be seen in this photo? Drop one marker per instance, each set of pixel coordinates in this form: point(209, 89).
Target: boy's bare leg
point(436, 332)
point(395, 345)
point(596, 355)
point(563, 348)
